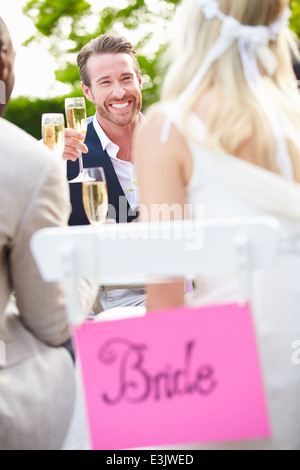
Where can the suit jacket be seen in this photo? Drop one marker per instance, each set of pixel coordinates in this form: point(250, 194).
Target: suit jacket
point(119, 208)
point(37, 384)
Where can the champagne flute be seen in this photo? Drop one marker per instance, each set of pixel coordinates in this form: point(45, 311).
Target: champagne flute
point(76, 119)
point(94, 195)
point(53, 132)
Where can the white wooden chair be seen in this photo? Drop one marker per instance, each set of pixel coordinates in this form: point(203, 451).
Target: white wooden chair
point(141, 253)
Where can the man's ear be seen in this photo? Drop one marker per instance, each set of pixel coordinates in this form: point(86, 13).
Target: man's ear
point(87, 92)
point(140, 79)
point(3, 65)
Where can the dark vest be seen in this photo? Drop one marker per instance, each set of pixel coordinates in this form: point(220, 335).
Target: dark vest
point(119, 208)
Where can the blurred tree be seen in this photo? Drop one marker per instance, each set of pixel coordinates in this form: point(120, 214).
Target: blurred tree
point(67, 25)
point(70, 24)
point(295, 18)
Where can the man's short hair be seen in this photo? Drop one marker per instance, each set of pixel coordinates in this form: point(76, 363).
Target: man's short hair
point(104, 44)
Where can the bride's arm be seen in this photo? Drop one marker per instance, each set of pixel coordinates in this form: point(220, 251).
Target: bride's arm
point(161, 169)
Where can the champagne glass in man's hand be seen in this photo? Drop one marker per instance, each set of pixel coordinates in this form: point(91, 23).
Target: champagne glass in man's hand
point(76, 119)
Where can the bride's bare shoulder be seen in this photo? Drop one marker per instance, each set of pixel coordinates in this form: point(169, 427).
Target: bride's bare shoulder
point(153, 123)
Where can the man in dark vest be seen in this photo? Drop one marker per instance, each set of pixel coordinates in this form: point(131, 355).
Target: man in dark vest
point(111, 79)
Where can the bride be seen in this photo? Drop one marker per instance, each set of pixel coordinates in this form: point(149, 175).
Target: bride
point(225, 135)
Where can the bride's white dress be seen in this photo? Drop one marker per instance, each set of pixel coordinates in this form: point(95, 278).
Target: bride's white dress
point(227, 186)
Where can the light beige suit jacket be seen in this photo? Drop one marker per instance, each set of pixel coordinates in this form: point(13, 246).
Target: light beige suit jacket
point(37, 386)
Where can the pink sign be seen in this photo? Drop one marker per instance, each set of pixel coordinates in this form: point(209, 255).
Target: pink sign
point(186, 375)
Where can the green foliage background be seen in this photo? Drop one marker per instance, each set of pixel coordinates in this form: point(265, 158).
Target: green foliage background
point(65, 24)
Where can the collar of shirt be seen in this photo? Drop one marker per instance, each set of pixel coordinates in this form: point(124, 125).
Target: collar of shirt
point(110, 147)
point(107, 145)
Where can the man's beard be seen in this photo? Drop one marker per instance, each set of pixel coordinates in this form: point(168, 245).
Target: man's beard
point(122, 120)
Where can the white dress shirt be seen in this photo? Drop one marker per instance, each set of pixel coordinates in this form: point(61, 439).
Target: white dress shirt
point(125, 171)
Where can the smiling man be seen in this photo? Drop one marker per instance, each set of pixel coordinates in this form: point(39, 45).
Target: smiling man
point(111, 79)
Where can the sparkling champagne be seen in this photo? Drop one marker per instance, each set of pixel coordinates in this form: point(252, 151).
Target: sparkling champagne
point(76, 119)
point(54, 137)
point(95, 201)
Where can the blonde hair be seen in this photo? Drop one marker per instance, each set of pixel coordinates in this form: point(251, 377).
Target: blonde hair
point(238, 118)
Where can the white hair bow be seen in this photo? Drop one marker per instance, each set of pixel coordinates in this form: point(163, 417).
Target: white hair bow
point(210, 8)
